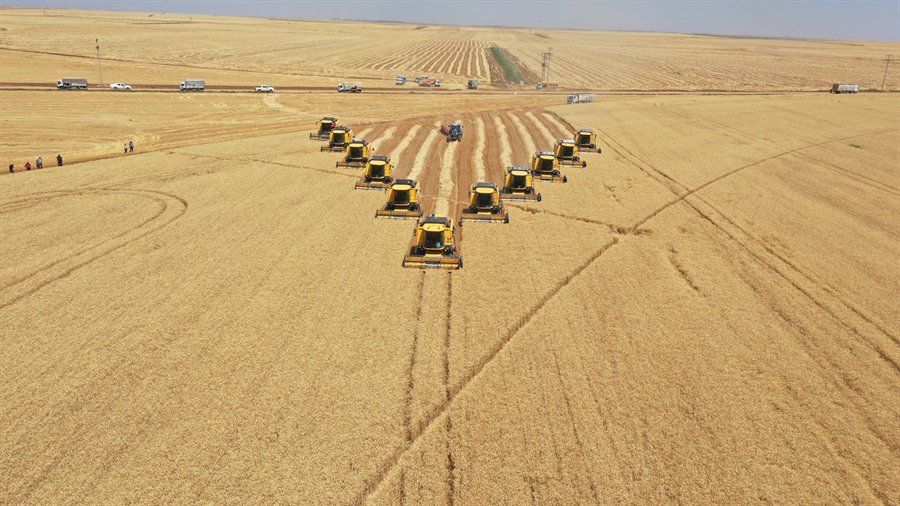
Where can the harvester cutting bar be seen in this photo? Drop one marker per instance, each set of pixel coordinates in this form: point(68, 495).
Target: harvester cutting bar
point(519, 197)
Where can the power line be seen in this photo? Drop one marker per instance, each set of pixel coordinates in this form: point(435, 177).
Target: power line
point(887, 61)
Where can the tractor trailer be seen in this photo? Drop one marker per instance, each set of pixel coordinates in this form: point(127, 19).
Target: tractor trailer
point(72, 83)
point(193, 85)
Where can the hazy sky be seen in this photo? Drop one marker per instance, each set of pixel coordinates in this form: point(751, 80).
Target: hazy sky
point(847, 19)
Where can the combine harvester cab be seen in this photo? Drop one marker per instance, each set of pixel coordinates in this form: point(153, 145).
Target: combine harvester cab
point(567, 153)
point(377, 175)
point(356, 155)
point(338, 139)
point(518, 186)
point(485, 205)
point(545, 167)
point(586, 140)
point(434, 247)
point(323, 128)
point(402, 201)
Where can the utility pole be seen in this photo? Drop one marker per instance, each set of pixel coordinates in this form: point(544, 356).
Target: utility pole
point(545, 65)
point(887, 62)
point(99, 65)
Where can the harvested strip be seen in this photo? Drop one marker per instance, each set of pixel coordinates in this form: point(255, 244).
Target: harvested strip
point(362, 133)
point(384, 137)
point(559, 125)
point(410, 134)
point(419, 164)
point(548, 137)
point(445, 190)
point(527, 141)
point(479, 150)
point(505, 149)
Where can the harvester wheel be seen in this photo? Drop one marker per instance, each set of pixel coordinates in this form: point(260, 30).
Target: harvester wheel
point(506, 219)
point(389, 206)
point(539, 197)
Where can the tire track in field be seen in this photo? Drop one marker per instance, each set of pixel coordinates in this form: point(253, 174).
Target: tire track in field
point(759, 257)
point(429, 419)
point(172, 207)
point(448, 428)
point(410, 370)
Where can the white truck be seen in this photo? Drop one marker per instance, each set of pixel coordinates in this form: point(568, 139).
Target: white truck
point(401, 80)
point(72, 83)
point(350, 88)
point(193, 85)
point(120, 87)
point(844, 88)
point(580, 98)
point(265, 88)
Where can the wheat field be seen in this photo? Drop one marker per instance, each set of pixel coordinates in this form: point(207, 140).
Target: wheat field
point(706, 313)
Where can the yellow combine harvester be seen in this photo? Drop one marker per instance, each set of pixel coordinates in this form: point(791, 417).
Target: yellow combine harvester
point(355, 156)
point(545, 167)
point(323, 128)
point(567, 153)
point(518, 186)
point(434, 247)
point(338, 139)
point(586, 140)
point(485, 205)
point(402, 201)
point(377, 175)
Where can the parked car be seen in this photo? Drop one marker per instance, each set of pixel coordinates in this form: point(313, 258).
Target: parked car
point(265, 89)
point(120, 87)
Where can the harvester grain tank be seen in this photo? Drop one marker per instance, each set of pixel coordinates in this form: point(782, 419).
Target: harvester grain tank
point(323, 128)
point(356, 155)
point(72, 83)
point(545, 167)
point(566, 153)
point(338, 139)
point(377, 175)
point(433, 245)
point(402, 201)
point(518, 186)
point(586, 140)
point(484, 205)
point(192, 85)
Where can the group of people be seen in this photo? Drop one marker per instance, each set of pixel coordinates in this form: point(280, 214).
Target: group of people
point(128, 147)
point(38, 163)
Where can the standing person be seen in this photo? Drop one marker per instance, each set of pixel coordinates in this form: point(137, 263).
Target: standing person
point(131, 146)
point(39, 163)
point(12, 168)
point(27, 165)
point(125, 147)
point(58, 160)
